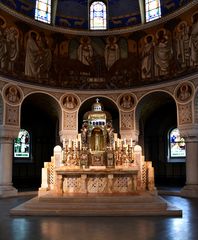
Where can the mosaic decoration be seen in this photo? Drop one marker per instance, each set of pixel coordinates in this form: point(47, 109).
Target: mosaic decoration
point(184, 92)
point(12, 95)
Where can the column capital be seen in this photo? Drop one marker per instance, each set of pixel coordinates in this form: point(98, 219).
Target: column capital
point(9, 132)
point(128, 134)
point(68, 134)
point(189, 132)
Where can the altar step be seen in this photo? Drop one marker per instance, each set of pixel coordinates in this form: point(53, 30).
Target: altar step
point(94, 205)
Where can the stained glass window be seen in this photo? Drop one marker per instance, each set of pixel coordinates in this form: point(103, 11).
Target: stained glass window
point(98, 16)
point(22, 145)
point(43, 11)
point(153, 10)
point(176, 144)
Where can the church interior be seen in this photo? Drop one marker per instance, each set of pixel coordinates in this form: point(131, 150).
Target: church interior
point(99, 117)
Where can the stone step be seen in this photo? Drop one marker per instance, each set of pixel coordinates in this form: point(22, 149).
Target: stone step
point(97, 198)
point(83, 205)
point(89, 206)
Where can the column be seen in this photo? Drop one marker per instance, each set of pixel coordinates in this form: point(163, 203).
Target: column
point(191, 140)
point(6, 157)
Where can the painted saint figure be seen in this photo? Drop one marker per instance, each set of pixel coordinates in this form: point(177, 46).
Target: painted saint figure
point(32, 60)
point(193, 43)
point(111, 52)
point(162, 54)
point(148, 58)
point(85, 51)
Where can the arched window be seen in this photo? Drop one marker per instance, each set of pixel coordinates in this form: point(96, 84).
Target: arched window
point(153, 10)
point(22, 146)
point(177, 146)
point(43, 11)
point(98, 16)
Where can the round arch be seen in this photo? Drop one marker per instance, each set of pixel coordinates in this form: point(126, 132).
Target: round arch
point(40, 116)
point(155, 115)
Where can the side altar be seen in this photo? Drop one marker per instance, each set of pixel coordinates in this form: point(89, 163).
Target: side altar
point(97, 161)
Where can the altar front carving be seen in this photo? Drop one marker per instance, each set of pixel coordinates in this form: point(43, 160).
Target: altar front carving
point(97, 161)
point(96, 181)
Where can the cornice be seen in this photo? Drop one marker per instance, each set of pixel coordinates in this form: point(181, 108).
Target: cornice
point(104, 92)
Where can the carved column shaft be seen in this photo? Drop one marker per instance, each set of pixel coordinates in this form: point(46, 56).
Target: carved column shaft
point(191, 161)
point(6, 153)
point(190, 134)
point(7, 134)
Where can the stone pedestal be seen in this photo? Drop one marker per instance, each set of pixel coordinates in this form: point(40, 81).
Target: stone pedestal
point(6, 157)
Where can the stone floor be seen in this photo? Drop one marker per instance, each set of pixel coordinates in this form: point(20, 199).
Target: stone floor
point(100, 228)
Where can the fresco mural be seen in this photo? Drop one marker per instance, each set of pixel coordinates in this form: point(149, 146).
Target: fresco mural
point(55, 59)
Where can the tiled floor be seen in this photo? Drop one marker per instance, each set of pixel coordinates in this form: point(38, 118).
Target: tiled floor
point(100, 228)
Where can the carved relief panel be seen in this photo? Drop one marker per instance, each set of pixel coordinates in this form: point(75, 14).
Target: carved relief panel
point(69, 121)
point(127, 120)
point(185, 113)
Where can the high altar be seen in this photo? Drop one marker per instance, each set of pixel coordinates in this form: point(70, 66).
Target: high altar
point(97, 161)
point(97, 174)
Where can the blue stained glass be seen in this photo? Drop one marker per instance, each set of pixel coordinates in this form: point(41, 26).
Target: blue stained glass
point(98, 16)
point(177, 144)
point(22, 145)
point(43, 11)
point(153, 10)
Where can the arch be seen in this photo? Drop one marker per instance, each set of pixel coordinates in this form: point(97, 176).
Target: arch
point(109, 106)
point(155, 115)
point(40, 116)
point(53, 106)
point(149, 102)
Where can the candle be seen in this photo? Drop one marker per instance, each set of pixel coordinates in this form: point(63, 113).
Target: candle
point(131, 142)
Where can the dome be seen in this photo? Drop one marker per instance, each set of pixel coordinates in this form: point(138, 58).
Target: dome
point(73, 14)
point(97, 107)
point(97, 113)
